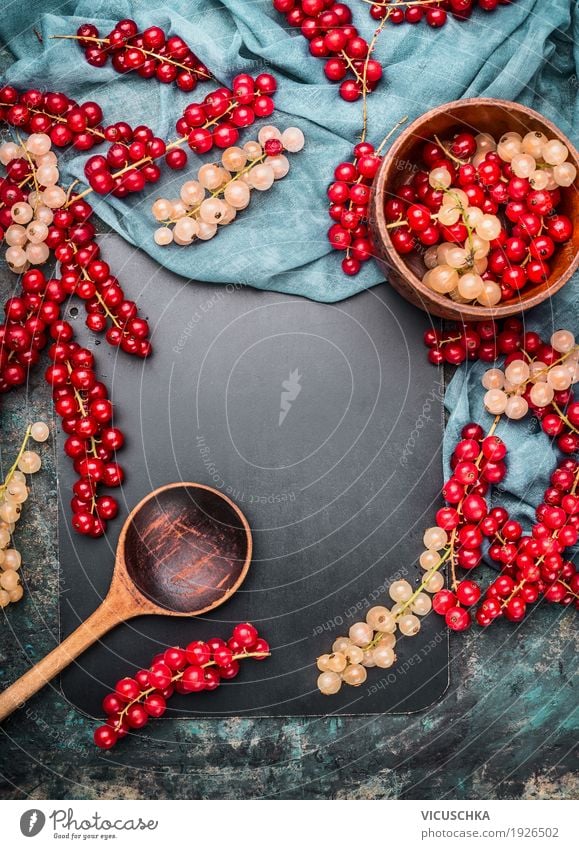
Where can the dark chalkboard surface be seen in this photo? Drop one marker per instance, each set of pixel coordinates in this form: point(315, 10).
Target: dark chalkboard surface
point(323, 422)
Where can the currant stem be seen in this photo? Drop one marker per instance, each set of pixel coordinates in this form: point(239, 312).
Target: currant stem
point(402, 222)
point(441, 562)
point(516, 589)
point(563, 417)
point(447, 152)
point(177, 677)
point(350, 65)
point(371, 47)
point(389, 135)
point(150, 53)
point(69, 190)
point(112, 317)
point(83, 410)
point(14, 466)
point(59, 119)
point(494, 426)
point(32, 169)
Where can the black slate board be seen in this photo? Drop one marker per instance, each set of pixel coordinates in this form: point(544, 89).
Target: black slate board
point(337, 491)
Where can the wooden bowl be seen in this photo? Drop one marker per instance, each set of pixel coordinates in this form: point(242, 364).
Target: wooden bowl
point(476, 115)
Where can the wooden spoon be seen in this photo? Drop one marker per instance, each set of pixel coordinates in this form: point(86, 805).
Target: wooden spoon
point(183, 550)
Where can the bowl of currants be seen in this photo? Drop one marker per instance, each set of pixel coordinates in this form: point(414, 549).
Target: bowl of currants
point(473, 210)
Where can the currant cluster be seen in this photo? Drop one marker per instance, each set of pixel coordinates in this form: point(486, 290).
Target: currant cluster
point(30, 195)
point(434, 12)
point(29, 315)
point(32, 320)
point(82, 403)
point(224, 112)
point(151, 53)
point(131, 162)
point(36, 217)
point(109, 310)
point(200, 666)
point(532, 567)
point(349, 197)
point(484, 214)
point(195, 215)
point(477, 462)
point(85, 274)
point(328, 27)
point(372, 643)
point(539, 376)
point(480, 340)
point(13, 494)
point(64, 120)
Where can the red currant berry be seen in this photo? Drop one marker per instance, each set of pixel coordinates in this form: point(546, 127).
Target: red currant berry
point(457, 619)
point(260, 649)
point(155, 705)
point(245, 634)
point(515, 609)
point(468, 593)
point(223, 656)
point(228, 672)
point(198, 653)
point(350, 90)
point(447, 518)
point(443, 601)
point(193, 680)
point(175, 658)
point(160, 676)
point(127, 689)
point(105, 737)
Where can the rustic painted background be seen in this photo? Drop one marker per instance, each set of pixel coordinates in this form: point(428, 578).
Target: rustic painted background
point(505, 729)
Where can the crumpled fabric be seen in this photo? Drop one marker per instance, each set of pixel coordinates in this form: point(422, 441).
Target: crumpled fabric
point(520, 52)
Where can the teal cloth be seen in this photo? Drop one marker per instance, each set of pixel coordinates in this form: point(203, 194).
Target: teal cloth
point(522, 52)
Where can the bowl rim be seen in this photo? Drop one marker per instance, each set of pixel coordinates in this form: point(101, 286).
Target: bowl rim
point(427, 295)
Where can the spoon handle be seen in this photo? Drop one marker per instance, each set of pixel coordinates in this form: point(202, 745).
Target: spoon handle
point(105, 617)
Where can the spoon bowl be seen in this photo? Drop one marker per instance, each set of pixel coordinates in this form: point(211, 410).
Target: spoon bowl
point(186, 548)
point(183, 550)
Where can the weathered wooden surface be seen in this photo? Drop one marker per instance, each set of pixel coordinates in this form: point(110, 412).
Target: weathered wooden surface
point(505, 729)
